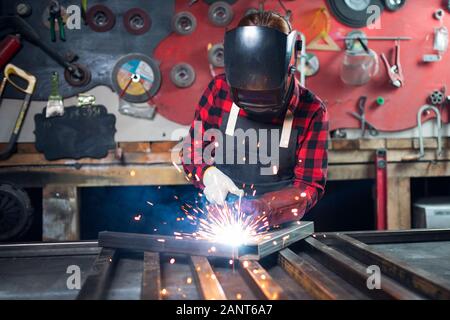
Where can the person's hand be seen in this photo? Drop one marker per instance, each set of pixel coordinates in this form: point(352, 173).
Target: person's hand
point(218, 185)
point(276, 208)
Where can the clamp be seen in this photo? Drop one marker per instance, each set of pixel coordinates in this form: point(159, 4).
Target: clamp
point(361, 116)
point(421, 154)
point(55, 16)
point(395, 71)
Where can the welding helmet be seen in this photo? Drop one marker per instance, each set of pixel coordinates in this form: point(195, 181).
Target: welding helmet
point(260, 63)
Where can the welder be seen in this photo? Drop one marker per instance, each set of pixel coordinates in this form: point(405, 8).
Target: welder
point(260, 96)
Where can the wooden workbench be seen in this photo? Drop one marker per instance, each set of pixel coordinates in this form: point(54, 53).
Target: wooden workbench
point(146, 163)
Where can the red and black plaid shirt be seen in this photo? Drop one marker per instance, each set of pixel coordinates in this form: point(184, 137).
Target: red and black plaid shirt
point(310, 118)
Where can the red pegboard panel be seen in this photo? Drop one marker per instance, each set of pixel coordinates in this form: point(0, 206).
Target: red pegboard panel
point(399, 112)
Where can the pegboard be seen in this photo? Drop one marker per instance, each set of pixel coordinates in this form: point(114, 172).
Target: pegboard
point(98, 51)
point(399, 112)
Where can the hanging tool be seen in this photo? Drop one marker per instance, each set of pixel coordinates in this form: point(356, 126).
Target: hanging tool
point(55, 105)
point(85, 100)
point(17, 25)
point(137, 21)
point(323, 41)
point(12, 70)
point(437, 98)
point(312, 65)
point(136, 78)
point(54, 18)
point(394, 5)
point(216, 55)
point(427, 108)
point(182, 75)
point(354, 34)
point(184, 23)
point(24, 9)
point(136, 110)
point(395, 71)
point(100, 18)
point(9, 46)
point(84, 5)
point(355, 13)
point(220, 13)
point(361, 116)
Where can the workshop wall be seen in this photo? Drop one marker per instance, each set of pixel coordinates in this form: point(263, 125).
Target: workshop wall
point(399, 112)
point(175, 106)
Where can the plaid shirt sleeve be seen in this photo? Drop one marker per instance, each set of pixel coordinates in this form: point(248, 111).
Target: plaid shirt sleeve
point(312, 155)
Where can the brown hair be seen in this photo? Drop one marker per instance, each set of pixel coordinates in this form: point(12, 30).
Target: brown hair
point(266, 19)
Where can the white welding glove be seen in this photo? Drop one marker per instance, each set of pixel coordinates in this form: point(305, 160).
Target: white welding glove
point(218, 185)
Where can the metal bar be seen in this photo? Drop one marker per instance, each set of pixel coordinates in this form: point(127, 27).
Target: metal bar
point(419, 280)
point(97, 282)
point(261, 281)
point(166, 244)
point(314, 281)
point(49, 249)
point(208, 284)
point(416, 235)
point(151, 277)
point(264, 245)
point(356, 273)
point(381, 189)
point(380, 38)
point(283, 238)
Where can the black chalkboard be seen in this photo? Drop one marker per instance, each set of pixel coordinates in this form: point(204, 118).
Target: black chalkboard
point(81, 132)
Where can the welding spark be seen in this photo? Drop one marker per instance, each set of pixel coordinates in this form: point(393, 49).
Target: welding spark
point(225, 225)
point(137, 217)
point(228, 225)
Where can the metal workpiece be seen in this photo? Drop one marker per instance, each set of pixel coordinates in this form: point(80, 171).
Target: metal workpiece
point(151, 277)
point(264, 285)
point(282, 238)
point(207, 281)
point(426, 283)
point(96, 284)
point(44, 249)
point(267, 243)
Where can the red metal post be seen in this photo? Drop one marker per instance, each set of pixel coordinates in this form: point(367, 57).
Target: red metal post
point(381, 189)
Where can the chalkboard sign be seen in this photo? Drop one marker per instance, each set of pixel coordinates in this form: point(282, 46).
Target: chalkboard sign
point(81, 132)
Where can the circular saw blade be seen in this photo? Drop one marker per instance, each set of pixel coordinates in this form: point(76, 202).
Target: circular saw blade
point(354, 13)
point(136, 77)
